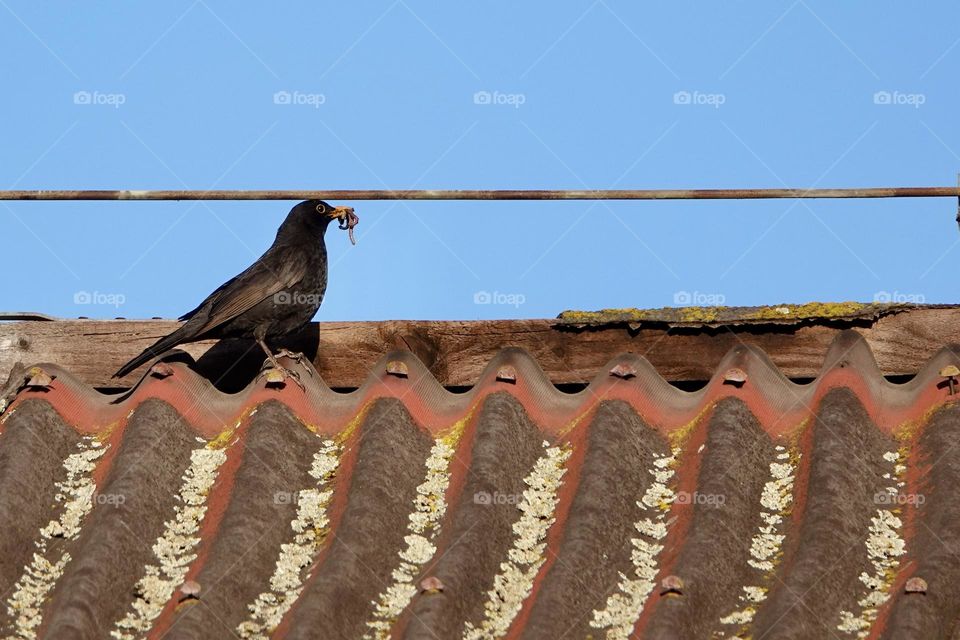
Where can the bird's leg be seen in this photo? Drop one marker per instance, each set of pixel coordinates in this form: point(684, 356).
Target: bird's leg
point(266, 350)
point(276, 365)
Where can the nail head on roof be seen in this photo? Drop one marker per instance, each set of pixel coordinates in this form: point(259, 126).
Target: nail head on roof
point(735, 376)
point(671, 585)
point(950, 372)
point(38, 378)
point(431, 584)
point(190, 590)
point(915, 585)
point(274, 376)
point(398, 368)
point(623, 371)
point(161, 370)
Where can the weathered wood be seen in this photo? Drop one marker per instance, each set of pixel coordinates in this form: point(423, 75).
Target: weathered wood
point(457, 351)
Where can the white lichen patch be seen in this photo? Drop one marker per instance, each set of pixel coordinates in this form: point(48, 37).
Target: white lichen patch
point(173, 550)
point(513, 583)
point(740, 617)
point(623, 607)
point(76, 493)
point(310, 528)
point(429, 506)
point(884, 547)
point(776, 501)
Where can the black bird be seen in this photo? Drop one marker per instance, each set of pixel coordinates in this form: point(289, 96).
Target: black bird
point(276, 295)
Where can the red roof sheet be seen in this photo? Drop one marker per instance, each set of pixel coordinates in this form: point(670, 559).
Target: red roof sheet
point(751, 507)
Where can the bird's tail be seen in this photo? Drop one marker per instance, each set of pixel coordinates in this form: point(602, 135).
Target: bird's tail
point(155, 350)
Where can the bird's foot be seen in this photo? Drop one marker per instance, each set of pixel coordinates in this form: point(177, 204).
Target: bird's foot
point(277, 376)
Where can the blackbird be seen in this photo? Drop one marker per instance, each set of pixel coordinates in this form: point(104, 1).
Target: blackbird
point(276, 295)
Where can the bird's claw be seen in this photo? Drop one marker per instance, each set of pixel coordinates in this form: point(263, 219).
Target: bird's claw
point(296, 356)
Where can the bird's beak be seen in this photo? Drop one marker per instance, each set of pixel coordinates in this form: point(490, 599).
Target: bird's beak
point(339, 213)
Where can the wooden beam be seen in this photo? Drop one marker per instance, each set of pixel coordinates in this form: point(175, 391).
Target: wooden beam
point(457, 351)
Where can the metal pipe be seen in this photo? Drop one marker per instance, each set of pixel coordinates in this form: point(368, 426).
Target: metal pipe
point(488, 194)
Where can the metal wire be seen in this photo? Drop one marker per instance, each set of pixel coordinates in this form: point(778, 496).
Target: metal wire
point(488, 194)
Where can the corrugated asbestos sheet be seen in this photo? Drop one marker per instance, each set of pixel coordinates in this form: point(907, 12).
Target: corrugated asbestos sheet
point(752, 508)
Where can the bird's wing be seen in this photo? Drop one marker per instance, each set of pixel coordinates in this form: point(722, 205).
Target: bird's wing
point(231, 299)
point(246, 290)
point(212, 296)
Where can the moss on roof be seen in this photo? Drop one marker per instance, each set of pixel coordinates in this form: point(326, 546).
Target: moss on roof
point(716, 316)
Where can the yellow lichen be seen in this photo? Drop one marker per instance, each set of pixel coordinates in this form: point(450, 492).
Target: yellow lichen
point(452, 435)
point(828, 310)
point(905, 431)
point(719, 314)
point(570, 426)
point(222, 439)
point(103, 434)
point(354, 424)
point(679, 436)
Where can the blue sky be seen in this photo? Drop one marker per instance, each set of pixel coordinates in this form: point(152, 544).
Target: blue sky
point(406, 94)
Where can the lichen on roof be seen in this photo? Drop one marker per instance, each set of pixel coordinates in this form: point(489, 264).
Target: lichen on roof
point(717, 316)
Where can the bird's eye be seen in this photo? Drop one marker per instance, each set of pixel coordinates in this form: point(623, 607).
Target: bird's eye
point(321, 208)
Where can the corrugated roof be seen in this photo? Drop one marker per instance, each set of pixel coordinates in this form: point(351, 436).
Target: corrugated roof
point(753, 507)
